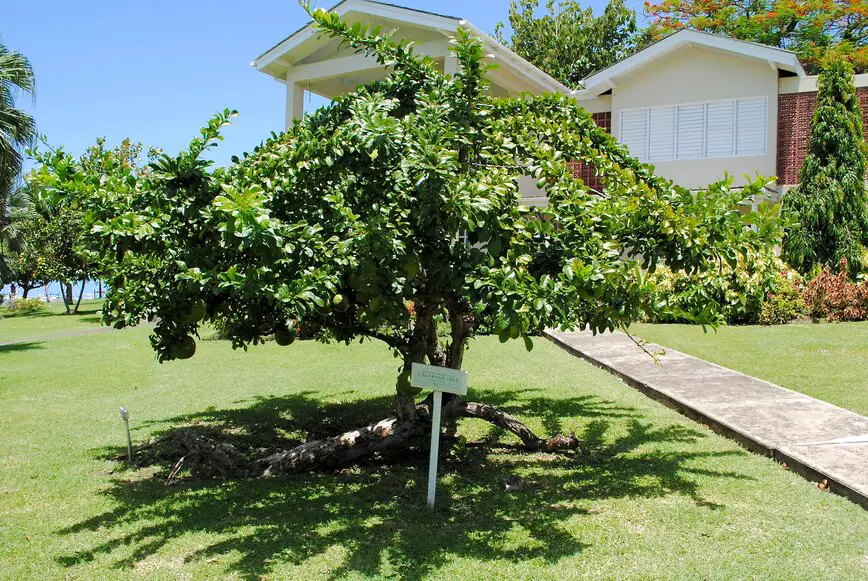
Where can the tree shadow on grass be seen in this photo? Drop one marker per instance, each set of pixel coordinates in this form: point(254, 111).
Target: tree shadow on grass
point(371, 519)
point(23, 346)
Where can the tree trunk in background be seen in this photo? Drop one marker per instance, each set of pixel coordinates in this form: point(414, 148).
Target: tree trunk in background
point(66, 294)
point(25, 291)
point(100, 288)
point(80, 295)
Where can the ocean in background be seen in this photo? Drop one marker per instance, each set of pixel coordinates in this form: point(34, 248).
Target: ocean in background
point(91, 291)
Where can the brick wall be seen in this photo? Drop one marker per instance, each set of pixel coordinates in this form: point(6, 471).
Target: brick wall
point(586, 172)
point(794, 126)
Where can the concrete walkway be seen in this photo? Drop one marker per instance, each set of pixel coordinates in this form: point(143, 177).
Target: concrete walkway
point(816, 439)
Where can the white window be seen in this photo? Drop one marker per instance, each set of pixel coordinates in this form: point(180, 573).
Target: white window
point(727, 128)
point(661, 136)
point(634, 132)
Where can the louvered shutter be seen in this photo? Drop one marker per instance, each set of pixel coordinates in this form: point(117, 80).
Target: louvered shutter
point(691, 131)
point(661, 134)
point(634, 132)
point(751, 126)
point(720, 129)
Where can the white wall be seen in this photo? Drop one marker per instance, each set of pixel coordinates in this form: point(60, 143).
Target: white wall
point(697, 74)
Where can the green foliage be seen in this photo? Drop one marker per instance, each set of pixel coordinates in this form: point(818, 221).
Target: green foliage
point(569, 42)
point(785, 302)
point(20, 305)
point(17, 128)
point(29, 265)
point(736, 292)
point(401, 199)
point(828, 211)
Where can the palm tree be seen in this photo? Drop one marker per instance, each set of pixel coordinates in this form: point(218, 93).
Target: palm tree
point(17, 131)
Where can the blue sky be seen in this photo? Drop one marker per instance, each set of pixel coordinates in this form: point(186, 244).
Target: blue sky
point(155, 71)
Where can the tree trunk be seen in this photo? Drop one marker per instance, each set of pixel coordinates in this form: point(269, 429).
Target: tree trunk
point(65, 294)
point(80, 295)
point(24, 291)
point(395, 434)
point(100, 288)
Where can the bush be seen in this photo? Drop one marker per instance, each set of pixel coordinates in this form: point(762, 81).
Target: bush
point(737, 292)
point(835, 298)
point(786, 302)
point(17, 305)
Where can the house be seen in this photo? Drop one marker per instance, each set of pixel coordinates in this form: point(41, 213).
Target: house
point(696, 106)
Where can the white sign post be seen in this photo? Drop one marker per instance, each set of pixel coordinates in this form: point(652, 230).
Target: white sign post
point(440, 379)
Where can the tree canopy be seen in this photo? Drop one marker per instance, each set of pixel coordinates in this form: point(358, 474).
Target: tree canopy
point(395, 215)
point(811, 28)
point(568, 41)
point(828, 210)
point(17, 130)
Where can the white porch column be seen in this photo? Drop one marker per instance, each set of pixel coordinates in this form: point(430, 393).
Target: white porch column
point(294, 101)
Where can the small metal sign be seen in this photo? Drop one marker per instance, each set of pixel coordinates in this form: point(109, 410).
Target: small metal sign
point(440, 379)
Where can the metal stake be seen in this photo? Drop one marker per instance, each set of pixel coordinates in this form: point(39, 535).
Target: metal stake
point(125, 416)
point(435, 447)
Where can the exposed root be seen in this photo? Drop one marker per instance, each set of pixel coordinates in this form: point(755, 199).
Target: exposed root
point(210, 457)
point(375, 438)
point(481, 411)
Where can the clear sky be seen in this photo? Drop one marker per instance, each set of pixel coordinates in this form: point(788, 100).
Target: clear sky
point(155, 71)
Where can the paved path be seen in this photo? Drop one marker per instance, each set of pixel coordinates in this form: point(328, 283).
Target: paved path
point(814, 438)
point(59, 335)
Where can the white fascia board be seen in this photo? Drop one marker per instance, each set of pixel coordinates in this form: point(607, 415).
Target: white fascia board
point(339, 66)
point(604, 80)
point(517, 63)
point(441, 23)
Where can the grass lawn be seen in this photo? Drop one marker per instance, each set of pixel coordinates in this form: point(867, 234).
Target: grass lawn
point(652, 495)
point(826, 360)
point(49, 320)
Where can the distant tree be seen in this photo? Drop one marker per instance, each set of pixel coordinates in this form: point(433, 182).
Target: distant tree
point(569, 42)
point(70, 254)
point(17, 130)
point(811, 28)
point(28, 264)
point(829, 207)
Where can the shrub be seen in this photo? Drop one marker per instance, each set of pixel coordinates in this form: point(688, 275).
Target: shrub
point(738, 292)
point(786, 302)
point(24, 305)
point(835, 298)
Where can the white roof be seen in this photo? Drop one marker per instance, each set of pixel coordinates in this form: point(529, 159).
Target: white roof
point(604, 80)
point(303, 50)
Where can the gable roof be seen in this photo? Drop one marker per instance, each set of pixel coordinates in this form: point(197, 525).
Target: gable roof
point(604, 80)
point(279, 59)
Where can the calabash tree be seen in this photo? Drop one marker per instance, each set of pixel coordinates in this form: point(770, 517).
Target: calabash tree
point(394, 215)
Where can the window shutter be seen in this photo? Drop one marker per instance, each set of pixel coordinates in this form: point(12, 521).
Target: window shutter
point(720, 124)
point(751, 126)
point(661, 140)
point(691, 131)
point(634, 132)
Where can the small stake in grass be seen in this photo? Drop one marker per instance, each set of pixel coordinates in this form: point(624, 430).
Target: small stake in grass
point(125, 416)
point(439, 379)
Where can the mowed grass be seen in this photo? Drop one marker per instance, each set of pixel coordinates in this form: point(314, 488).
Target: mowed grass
point(828, 361)
point(651, 495)
point(49, 320)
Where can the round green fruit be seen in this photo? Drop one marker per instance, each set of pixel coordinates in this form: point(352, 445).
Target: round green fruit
point(514, 332)
point(341, 304)
point(196, 312)
point(403, 385)
point(284, 336)
point(183, 348)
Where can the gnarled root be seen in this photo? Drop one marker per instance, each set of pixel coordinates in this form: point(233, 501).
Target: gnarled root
point(375, 438)
point(392, 434)
point(481, 411)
